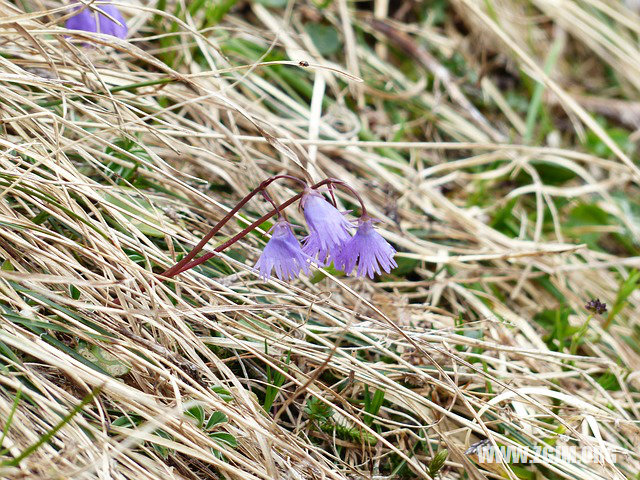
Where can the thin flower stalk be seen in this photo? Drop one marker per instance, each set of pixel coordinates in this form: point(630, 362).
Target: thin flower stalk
point(234, 239)
point(340, 183)
point(178, 267)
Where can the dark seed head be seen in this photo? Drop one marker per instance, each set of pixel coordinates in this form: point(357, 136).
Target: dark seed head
point(596, 306)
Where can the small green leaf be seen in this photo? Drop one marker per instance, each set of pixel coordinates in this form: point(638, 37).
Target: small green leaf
point(243, 223)
point(502, 215)
point(222, 392)
point(319, 275)
point(609, 382)
point(438, 462)
point(127, 421)
point(620, 136)
point(40, 218)
point(196, 412)
point(372, 405)
point(163, 451)
point(324, 37)
point(75, 293)
point(552, 174)
point(405, 266)
point(216, 418)
point(105, 360)
point(577, 339)
point(552, 440)
point(224, 438)
point(275, 379)
point(318, 410)
point(557, 321)
point(627, 287)
point(135, 256)
point(586, 215)
point(217, 10)
point(322, 4)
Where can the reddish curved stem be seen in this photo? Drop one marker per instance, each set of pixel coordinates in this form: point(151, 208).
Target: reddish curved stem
point(340, 183)
point(188, 262)
point(178, 266)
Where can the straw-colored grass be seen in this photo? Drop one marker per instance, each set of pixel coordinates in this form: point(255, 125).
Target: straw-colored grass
point(117, 158)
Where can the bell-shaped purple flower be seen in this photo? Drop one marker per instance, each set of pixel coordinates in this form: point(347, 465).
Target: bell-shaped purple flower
point(283, 253)
point(91, 20)
point(328, 229)
point(366, 249)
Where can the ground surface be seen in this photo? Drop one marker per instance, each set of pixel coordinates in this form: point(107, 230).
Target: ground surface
point(497, 143)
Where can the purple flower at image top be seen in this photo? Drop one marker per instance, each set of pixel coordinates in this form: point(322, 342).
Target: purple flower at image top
point(366, 249)
point(328, 229)
point(90, 20)
point(283, 253)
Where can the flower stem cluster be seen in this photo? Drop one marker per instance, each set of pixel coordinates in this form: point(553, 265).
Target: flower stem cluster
point(329, 237)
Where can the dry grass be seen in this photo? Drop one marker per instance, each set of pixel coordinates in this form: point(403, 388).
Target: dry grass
point(114, 162)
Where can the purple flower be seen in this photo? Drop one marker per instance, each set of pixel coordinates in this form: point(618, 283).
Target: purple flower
point(368, 250)
point(284, 253)
point(91, 21)
point(328, 229)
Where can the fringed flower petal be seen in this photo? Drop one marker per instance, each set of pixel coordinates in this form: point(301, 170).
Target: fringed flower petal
point(283, 254)
point(368, 251)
